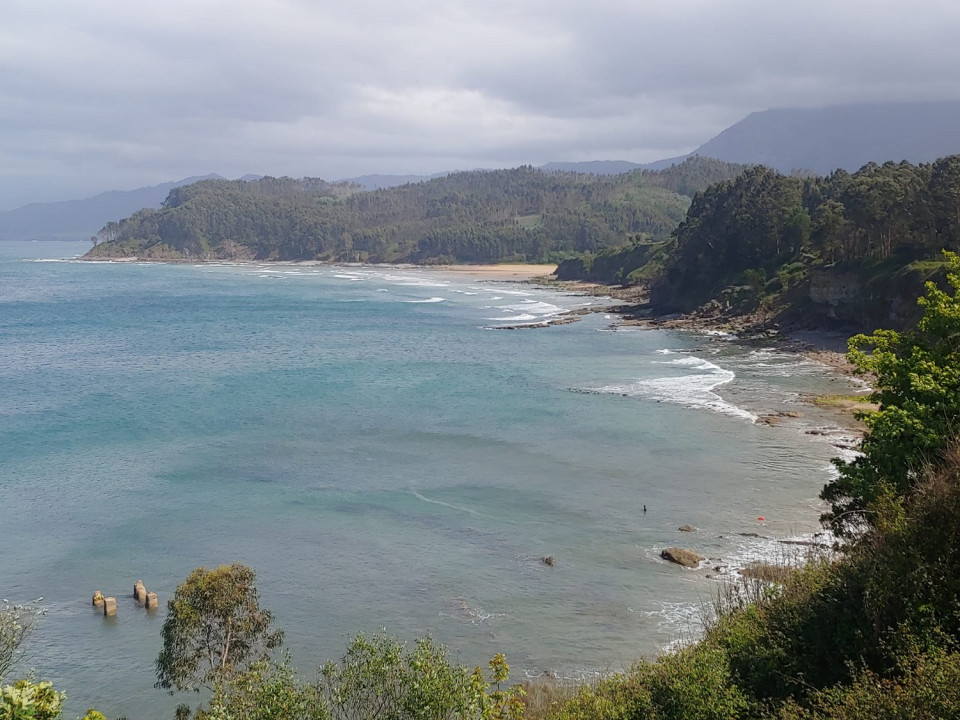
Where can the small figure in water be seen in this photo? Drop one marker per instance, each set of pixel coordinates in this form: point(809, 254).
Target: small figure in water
point(644, 508)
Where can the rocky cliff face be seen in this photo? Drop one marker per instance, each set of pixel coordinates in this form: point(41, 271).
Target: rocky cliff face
point(834, 291)
point(881, 301)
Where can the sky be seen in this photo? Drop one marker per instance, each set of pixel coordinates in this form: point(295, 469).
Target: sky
point(117, 94)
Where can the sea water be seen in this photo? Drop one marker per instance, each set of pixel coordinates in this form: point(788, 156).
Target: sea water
point(382, 456)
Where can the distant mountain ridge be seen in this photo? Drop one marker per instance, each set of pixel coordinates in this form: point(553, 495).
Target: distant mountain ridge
point(820, 140)
point(845, 136)
point(81, 219)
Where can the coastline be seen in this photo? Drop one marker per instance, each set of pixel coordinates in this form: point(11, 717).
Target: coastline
point(482, 271)
point(827, 347)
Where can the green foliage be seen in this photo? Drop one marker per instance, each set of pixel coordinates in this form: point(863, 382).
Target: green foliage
point(926, 688)
point(267, 691)
point(16, 624)
point(690, 684)
point(26, 700)
point(481, 216)
point(214, 629)
point(380, 679)
point(867, 225)
point(917, 386)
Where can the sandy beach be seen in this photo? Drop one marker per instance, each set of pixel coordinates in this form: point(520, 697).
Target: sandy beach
point(514, 271)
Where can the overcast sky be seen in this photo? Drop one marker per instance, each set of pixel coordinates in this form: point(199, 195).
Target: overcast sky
point(118, 94)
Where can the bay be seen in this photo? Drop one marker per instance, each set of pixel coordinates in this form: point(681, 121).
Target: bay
point(381, 456)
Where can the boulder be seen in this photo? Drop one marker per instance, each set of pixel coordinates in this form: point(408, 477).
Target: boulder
point(139, 591)
point(686, 528)
point(151, 601)
point(681, 556)
point(109, 606)
point(548, 560)
point(97, 598)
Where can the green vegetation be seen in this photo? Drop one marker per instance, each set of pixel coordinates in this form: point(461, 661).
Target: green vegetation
point(917, 387)
point(485, 216)
point(214, 629)
point(860, 245)
point(26, 700)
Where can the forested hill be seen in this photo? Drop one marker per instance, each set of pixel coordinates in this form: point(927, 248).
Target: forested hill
point(523, 214)
point(855, 248)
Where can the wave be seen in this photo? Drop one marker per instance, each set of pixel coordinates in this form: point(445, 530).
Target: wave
point(471, 615)
point(694, 390)
point(515, 318)
point(428, 300)
point(447, 505)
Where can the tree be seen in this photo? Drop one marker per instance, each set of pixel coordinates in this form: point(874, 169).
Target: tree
point(16, 624)
point(917, 388)
point(215, 629)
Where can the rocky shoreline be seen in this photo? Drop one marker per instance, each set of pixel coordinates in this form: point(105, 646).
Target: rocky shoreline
point(827, 347)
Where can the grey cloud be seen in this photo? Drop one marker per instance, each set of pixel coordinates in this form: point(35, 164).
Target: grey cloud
point(108, 93)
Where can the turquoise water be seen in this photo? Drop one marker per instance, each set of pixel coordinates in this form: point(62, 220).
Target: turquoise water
point(381, 458)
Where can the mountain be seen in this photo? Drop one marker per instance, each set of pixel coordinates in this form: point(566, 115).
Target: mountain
point(81, 219)
point(847, 136)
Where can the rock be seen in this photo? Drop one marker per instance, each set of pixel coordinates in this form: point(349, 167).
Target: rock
point(687, 558)
point(686, 528)
point(139, 591)
point(97, 598)
point(109, 606)
point(548, 560)
point(152, 602)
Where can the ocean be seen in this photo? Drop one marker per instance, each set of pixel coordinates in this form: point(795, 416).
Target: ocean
point(382, 457)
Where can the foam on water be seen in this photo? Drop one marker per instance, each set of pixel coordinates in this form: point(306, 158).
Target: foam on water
point(427, 300)
point(533, 312)
point(693, 390)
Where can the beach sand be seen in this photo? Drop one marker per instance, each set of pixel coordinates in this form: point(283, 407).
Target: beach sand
point(504, 271)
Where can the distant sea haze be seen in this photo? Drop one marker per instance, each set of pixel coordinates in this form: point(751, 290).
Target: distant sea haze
point(381, 456)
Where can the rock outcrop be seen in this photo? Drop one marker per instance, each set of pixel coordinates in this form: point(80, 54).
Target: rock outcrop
point(681, 556)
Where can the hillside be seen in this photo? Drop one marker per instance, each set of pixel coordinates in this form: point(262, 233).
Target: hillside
point(80, 219)
point(482, 216)
point(850, 250)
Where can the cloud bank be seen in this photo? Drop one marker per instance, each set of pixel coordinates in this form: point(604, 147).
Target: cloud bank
point(107, 94)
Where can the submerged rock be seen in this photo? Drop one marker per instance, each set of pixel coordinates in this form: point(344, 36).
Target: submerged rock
point(686, 528)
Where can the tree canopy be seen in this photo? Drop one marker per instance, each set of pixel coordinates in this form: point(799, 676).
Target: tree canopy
point(522, 214)
point(214, 629)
